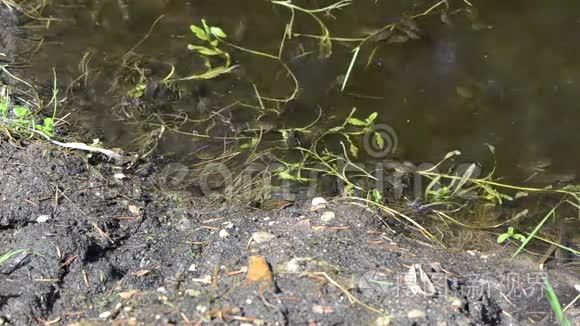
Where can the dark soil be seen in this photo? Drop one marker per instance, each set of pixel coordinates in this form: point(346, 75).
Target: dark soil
point(117, 250)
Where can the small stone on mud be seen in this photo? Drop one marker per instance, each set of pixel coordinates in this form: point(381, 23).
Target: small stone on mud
point(416, 313)
point(119, 176)
point(261, 237)
point(318, 203)
point(322, 310)
point(223, 233)
point(105, 314)
point(42, 218)
point(294, 265)
point(205, 279)
point(455, 302)
point(327, 216)
point(134, 210)
point(382, 321)
point(193, 293)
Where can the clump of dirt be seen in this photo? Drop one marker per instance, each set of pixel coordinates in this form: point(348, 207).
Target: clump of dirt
point(98, 243)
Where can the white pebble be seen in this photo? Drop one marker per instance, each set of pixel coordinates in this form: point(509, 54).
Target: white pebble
point(327, 216)
point(42, 218)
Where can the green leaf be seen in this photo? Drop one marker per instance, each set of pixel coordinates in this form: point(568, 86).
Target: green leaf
point(203, 50)
point(353, 150)
point(5, 257)
point(379, 139)
point(521, 194)
point(48, 123)
point(510, 231)
point(210, 74)
point(217, 32)
point(372, 117)
point(205, 27)
point(285, 134)
point(199, 32)
point(21, 112)
point(519, 237)
point(377, 197)
point(502, 237)
point(451, 154)
point(285, 175)
point(356, 122)
point(555, 304)
point(4, 108)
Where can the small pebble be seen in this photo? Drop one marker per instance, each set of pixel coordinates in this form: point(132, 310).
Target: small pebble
point(318, 203)
point(416, 313)
point(223, 233)
point(42, 218)
point(119, 176)
point(382, 321)
point(327, 216)
point(293, 266)
point(105, 314)
point(193, 293)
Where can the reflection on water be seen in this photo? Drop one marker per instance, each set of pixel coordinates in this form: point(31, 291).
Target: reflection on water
point(505, 74)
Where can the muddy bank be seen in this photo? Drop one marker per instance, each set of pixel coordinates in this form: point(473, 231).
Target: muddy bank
point(105, 249)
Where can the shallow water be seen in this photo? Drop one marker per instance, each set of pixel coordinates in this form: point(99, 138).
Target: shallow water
point(507, 74)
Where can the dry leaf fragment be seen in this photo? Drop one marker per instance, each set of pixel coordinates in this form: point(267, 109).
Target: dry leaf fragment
point(128, 295)
point(258, 270)
point(418, 281)
point(142, 272)
point(261, 237)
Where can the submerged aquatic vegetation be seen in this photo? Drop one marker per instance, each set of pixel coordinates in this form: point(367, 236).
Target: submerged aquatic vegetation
point(210, 39)
point(299, 155)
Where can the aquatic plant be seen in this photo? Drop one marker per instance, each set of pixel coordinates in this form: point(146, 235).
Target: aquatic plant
point(210, 38)
point(20, 119)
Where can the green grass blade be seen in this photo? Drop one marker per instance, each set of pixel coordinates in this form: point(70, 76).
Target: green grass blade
point(5, 257)
point(555, 303)
point(536, 229)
